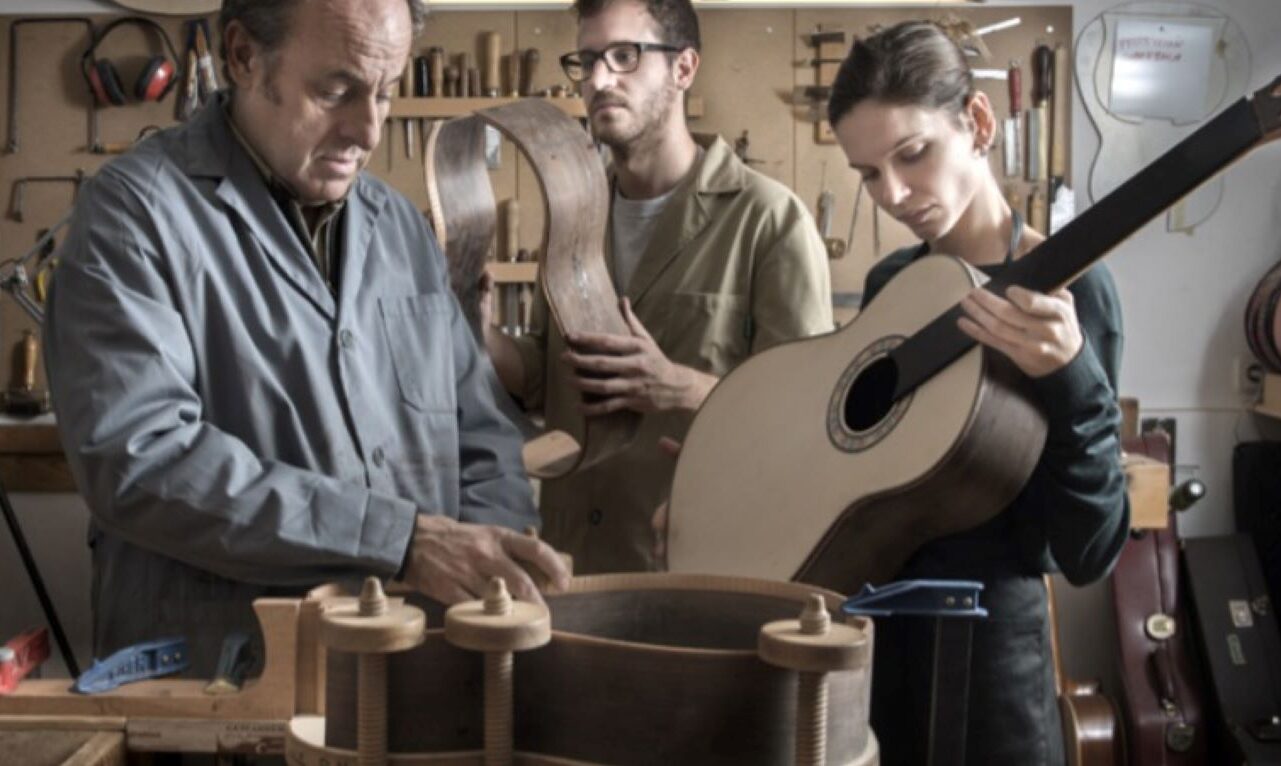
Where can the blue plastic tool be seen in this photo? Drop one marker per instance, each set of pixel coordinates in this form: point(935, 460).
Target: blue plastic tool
point(149, 659)
point(929, 598)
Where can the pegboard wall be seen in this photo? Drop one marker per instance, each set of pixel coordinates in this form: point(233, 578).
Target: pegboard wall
point(753, 61)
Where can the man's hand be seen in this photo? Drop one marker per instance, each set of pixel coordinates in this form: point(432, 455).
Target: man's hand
point(1038, 332)
point(452, 561)
point(631, 372)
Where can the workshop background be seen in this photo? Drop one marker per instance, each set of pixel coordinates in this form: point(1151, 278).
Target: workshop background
point(1183, 293)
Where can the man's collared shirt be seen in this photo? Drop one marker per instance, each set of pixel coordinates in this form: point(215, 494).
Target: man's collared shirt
point(323, 239)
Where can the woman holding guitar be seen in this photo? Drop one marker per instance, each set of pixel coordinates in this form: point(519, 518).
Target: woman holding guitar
point(909, 119)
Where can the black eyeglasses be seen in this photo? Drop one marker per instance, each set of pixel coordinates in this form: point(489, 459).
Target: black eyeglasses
point(621, 58)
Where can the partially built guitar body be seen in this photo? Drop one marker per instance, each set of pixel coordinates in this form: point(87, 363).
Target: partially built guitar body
point(642, 669)
point(572, 272)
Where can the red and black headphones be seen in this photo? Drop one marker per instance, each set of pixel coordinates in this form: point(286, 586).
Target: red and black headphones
point(154, 82)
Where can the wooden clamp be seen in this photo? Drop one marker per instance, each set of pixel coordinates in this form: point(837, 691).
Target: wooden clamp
point(813, 646)
point(573, 273)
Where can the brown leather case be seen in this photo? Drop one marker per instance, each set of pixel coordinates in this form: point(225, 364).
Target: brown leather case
point(1162, 699)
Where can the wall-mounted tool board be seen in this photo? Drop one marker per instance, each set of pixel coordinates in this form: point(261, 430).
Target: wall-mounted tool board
point(752, 61)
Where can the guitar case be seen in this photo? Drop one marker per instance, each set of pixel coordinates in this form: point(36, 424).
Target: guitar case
point(1162, 692)
point(1240, 645)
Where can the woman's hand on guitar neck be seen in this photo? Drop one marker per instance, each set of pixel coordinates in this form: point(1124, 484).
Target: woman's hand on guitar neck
point(1039, 332)
point(631, 372)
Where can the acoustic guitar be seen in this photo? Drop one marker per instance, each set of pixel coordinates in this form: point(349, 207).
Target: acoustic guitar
point(830, 460)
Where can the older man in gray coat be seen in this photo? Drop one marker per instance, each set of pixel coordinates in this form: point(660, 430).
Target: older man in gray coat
point(262, 380)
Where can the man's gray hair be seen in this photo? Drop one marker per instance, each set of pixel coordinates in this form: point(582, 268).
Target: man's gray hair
point(267, 22)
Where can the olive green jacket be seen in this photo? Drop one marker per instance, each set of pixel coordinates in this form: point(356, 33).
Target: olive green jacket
point(735, 266)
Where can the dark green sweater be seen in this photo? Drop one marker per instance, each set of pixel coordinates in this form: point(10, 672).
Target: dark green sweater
point(1073, 515)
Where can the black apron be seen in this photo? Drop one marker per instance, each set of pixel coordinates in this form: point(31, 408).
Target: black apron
point(1013, 710)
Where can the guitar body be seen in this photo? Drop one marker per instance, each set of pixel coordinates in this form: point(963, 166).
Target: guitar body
point(787, 424)
point(1091, 731)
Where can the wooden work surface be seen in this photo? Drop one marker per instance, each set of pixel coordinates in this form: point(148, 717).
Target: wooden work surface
point(63, 747)
point(31, 457)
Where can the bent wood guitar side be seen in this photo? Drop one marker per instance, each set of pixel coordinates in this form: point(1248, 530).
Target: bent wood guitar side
point(572, 274)
point(830, 460)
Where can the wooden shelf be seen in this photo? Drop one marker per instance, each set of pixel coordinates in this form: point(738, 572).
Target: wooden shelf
point(458, 107)
point(508, 273)
point(440, 108)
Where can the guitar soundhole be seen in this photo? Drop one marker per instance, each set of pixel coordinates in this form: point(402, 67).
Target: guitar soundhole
point(862, 410)
point(872, 395)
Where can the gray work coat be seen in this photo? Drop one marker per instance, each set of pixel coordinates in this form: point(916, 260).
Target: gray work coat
point(237, 428)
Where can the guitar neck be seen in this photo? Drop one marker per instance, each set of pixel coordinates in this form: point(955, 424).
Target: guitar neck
point(1061, 258)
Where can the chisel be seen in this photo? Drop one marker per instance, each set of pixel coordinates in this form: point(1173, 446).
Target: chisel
point(436, 57)
point(492, 73)
point(528, 66)
point(1037, 124)
point(406, 89)
point(1013, 144)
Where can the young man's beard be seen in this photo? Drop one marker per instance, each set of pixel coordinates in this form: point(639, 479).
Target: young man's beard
point(651, 118)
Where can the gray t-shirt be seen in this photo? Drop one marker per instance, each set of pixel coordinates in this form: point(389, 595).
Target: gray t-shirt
point(633, 223)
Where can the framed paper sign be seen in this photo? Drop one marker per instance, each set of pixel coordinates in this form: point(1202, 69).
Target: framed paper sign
point(1161, 68)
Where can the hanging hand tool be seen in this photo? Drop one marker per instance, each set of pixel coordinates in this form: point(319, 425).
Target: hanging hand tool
point(15, 79)
point(208, 72)
point(1037, 122)
point(512, 324)
point(422, 78)
point(1038, 215)
point(526, 290)
point(188, 100)
point(1060, 114)
point(451, 81)
point(492, 73)
point(22, 399)
point(473, 82)
point(998, 26)
point(1013, 138)
point(513, 74)
point(20, 186)
point(464, 76)
point(849, 236)
point(436, 60)
point(406, 88)
point(742, 150)
point(527, 69)
point(826, 203)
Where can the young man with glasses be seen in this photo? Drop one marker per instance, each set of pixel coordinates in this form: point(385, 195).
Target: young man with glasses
point(714, 262)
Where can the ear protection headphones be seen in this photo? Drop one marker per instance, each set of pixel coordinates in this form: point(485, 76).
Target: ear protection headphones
point(154, 82)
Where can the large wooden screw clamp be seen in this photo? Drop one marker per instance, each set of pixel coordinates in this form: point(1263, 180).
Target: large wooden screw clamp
point(814, 646)
point(498, 626)
point(372, 627)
